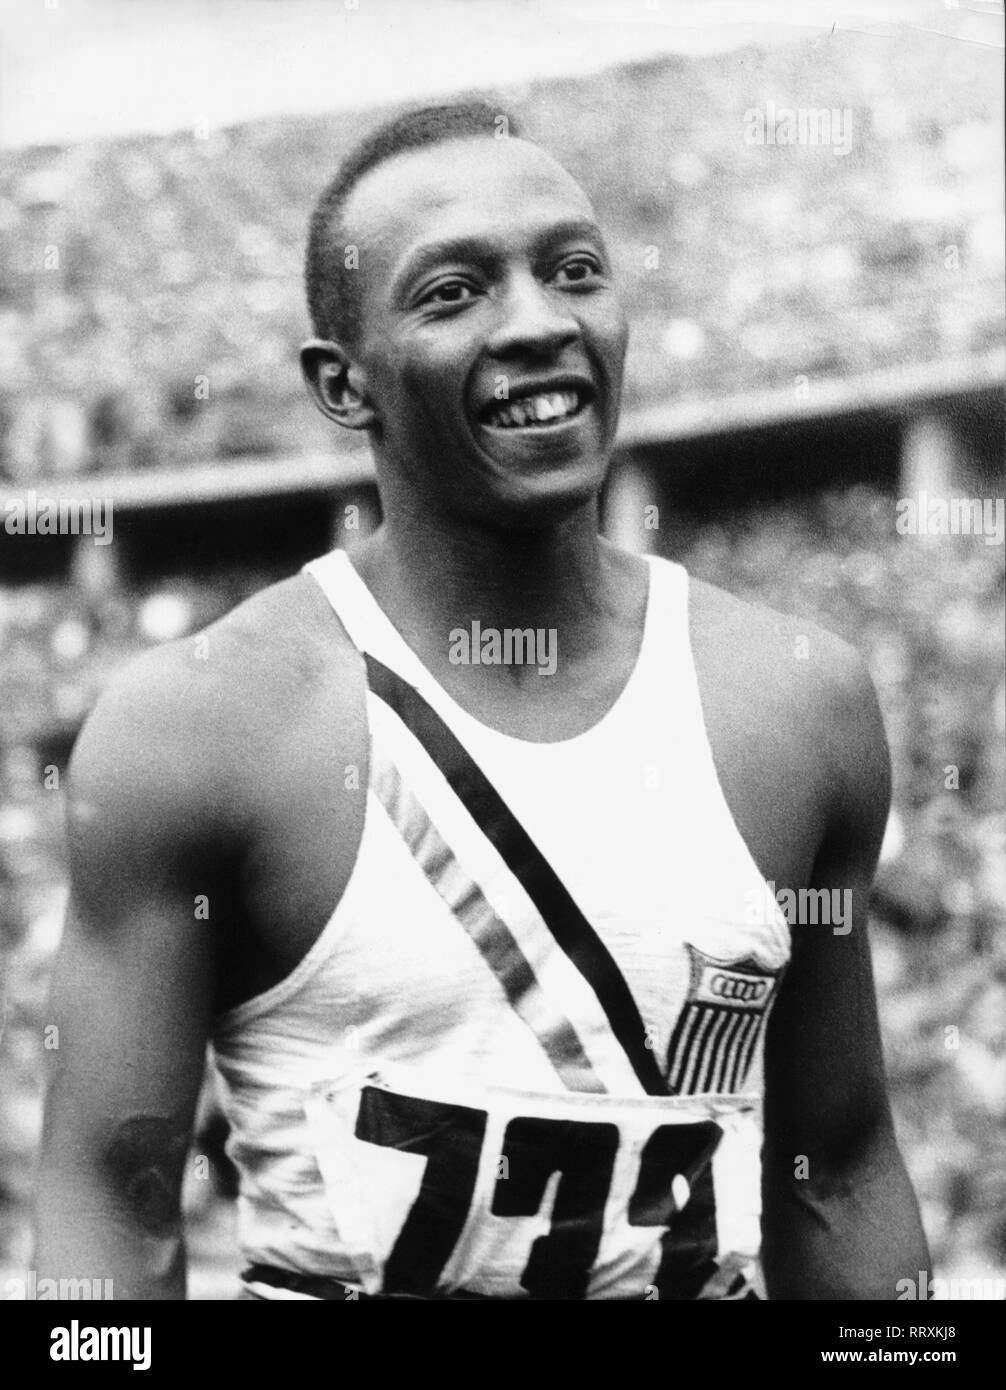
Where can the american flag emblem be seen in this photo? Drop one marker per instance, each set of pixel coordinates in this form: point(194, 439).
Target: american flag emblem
point(716, 1034)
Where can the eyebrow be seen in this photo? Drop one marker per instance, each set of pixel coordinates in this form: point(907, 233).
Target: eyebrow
point(477, 249)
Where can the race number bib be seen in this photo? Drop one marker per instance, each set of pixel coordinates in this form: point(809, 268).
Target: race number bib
point(442, 1190)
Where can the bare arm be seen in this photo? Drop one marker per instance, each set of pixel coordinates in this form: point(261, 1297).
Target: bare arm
point(840, 1219)
point(132, 991)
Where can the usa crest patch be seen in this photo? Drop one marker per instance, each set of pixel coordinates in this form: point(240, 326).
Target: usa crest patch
point(717, 1031)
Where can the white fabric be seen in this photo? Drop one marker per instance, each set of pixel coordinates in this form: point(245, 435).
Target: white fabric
point(437, 962)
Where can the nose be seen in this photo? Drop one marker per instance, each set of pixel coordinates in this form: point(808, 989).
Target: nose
point(532, 320)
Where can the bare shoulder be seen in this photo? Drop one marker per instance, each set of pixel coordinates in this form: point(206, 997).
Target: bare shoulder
point(789, 663)
point(795, 702)
point(176, 736)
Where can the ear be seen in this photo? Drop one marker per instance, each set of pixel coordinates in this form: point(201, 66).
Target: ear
point(337, 384)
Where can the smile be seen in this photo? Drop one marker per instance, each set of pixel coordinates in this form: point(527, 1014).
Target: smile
point(541, 411)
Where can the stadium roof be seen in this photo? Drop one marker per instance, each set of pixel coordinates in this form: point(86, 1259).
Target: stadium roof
point(72, 70)
point(781, 277)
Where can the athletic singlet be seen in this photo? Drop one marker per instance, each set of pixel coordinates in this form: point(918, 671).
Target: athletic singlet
point(524, 1056)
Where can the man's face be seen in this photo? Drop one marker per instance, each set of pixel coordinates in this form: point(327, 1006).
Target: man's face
point(491, 338)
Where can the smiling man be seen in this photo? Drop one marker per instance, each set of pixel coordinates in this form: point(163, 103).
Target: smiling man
point(474, 939)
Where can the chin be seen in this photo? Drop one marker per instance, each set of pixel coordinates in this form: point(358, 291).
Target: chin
point(534, 501)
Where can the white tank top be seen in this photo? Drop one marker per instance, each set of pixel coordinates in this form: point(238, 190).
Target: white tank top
point(524, 1056)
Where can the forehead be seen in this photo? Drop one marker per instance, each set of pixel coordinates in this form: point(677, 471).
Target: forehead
point(470, 187)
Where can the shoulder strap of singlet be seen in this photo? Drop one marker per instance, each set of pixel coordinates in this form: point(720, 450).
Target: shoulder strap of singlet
point(369, 628)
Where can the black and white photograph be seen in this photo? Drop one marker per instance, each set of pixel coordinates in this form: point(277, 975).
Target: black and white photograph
point(502, 703)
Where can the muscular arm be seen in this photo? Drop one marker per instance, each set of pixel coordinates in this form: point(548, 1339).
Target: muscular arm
point(132, 991)
point(850, 1227)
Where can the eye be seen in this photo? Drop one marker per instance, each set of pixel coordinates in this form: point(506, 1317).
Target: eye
point(452, 291)
point(577, 270)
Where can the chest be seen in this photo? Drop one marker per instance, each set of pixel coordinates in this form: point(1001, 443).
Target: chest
point(645, 830)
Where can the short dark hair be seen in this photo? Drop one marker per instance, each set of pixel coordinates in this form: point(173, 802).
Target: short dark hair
point(331, 289)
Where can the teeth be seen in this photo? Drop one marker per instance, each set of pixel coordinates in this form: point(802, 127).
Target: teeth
point(553, 405)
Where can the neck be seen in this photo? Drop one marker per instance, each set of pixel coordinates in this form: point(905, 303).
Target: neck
point(433, 573)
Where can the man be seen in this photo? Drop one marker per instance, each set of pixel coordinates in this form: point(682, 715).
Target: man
point(460, 852)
